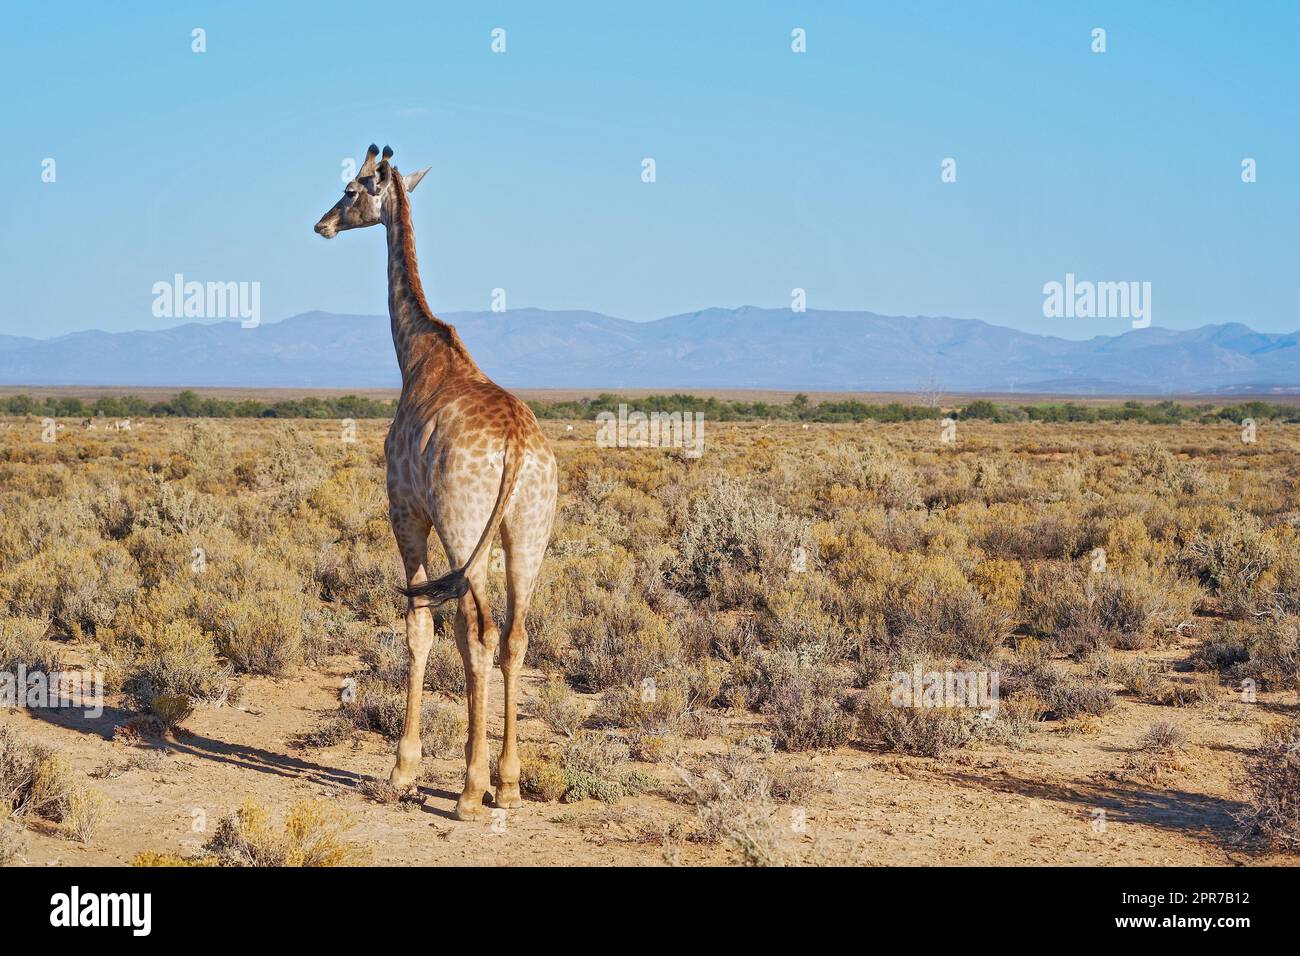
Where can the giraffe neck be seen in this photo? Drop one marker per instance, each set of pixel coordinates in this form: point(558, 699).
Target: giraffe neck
point(424, 344)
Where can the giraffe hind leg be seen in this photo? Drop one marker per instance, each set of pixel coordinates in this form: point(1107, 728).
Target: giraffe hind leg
point(524, 547)
point(476, 638)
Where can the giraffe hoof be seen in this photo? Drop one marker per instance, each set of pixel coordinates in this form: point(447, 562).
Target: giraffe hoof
point(508, 797)
point(471, 809)
point(401, 777)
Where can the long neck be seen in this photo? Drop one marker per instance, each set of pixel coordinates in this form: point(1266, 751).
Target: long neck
point(423, 343)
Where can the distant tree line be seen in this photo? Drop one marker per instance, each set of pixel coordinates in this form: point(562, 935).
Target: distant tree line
point(189, 404)
point(1155, 413)
point(801, 409)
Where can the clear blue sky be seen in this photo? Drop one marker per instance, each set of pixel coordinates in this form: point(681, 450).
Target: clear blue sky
point(775, 169)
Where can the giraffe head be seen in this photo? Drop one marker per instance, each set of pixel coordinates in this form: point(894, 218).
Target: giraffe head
point(363, 198)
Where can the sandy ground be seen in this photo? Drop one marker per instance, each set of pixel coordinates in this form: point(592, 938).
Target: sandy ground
point(1029, 805)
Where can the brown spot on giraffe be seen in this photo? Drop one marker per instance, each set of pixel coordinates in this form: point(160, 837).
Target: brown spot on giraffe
point(466, 459)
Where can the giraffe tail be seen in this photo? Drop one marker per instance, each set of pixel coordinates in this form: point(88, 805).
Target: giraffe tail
point(455, 583)
point(450, 586)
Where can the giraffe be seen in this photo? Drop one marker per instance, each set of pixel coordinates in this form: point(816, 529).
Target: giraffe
point(465, 458)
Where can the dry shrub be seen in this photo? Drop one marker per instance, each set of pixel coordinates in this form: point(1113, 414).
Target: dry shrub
point(922, 731)
point(558, 707)
point(878, 472)
point(619, 640)
point(381, 791)
point(1062, 694)
point(172, 709)
point(732, 795)
point(175, 508)
point(1201, 689)
point(1128, 545)
point(1137, 676)
point(794, 784)
point(1164, 737)
point(363, 579)
point(85, 813)
point(389, 663)
point(444, 671)
point(290, 470)
point(34, 780)
point(1181, 477)
point(139, 729)
point(652, 747)
point(659, 566)
point(804, 704)
point(172, 860)
point(799, 612)
point(1158, 752)
point(730, 528)
point(1017, 718)
point(159, 556)
point(352, 503)
point(77, 584)
point(674, 701)
point(334, 729)
point(1078, 611)
point(1000, 583)
point(1220, 653)
point(175, 659)
point(379, 704)
point(388, 659)
point(1030, 649)
point(12, 843)
point(590, 765)
point(1272, 655)
point(442, 731)
point(925, 605)
point(1018, 533)
point(205, 448)
point(1272, 785)
point(23, 644)
point(1281, 582)
point(312, 836)
point(262, 633)
point(1230, 561)
point(541, 773)
point(625, 516)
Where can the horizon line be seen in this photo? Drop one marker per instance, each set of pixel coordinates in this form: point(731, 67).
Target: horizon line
point(712, 308)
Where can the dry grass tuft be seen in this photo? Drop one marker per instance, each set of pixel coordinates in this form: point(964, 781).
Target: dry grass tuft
point(312, 835)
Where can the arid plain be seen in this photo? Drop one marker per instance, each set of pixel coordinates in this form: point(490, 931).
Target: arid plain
point(713, 650)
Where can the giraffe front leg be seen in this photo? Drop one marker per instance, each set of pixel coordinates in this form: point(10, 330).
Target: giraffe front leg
point(419, 638)
point(412, 541)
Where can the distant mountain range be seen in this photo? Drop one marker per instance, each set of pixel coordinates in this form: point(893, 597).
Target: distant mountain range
point(717, 348)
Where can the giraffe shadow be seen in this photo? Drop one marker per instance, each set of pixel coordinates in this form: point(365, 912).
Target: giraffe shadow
point(1181, 811)
point(247, 757)
point(75, 718)
point(257, 759)
point(241, 756)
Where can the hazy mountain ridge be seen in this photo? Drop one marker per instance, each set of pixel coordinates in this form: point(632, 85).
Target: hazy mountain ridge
point(714, 348)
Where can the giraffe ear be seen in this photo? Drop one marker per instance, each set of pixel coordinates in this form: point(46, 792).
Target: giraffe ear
point(413, 179)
